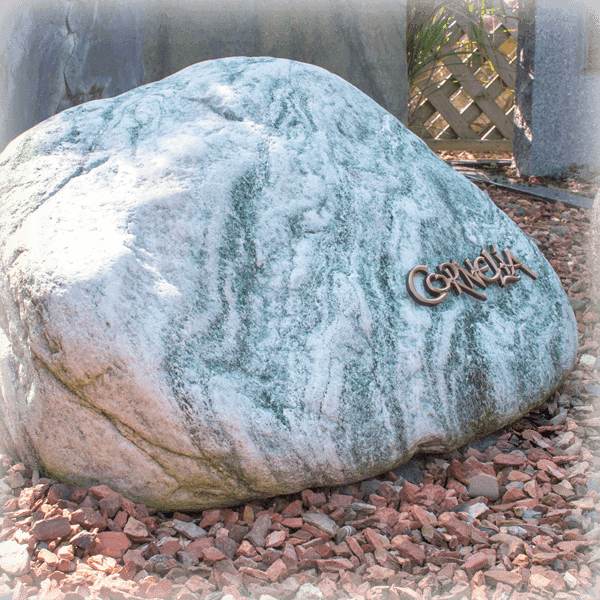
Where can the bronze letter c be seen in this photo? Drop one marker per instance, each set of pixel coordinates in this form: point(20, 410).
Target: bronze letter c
point(412, 290)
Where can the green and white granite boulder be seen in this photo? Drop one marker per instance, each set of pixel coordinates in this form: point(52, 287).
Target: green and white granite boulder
point(203, 292)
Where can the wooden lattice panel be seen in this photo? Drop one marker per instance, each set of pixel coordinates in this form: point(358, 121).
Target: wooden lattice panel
point(467, 99)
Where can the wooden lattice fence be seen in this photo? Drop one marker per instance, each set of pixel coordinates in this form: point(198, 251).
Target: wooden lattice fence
point(465, 104)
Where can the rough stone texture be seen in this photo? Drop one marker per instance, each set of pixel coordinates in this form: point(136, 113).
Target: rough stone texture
point(322, 522)
point(594, 252)
point(557, 90)
point(5, 490)
point(54, 55)
point(203, 292)
point(14, 558)
point(110, 543)
point(483, 485)
point(362, 42)
point(308, 591)
point(259, 530)
point(191, 531)
point(51, 529)
point(557, 536)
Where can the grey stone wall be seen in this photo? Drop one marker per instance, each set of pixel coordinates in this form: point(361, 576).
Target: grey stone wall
point(557, 121)
point(362, 42)
point(57, 54)
point(54, 55)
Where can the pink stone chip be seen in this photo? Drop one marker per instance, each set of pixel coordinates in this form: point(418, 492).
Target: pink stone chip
point(409, 550)
point(294, 509)
point(111, 543)
point(134, 556)
point(508, 460)
point(105, 564)
point(454, 526)
point(210, 518)
point(211, 555)
point(135, 529)
point(102, 491)
point(277, 570)
point(159, 589)
point(51, 529)
point(196, 584)
point(275, 539)
point(88, 518)
point(475, 563)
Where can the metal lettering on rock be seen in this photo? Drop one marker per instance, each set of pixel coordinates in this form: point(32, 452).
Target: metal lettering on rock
point(502, 267)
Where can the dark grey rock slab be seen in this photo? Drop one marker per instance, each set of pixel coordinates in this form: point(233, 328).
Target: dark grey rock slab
point(539, 191)
point(410, 471)
point(55, 55)
point(322, 522)
point(364, 43)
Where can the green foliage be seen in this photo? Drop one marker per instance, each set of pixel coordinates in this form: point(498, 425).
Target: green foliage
point(436, 29)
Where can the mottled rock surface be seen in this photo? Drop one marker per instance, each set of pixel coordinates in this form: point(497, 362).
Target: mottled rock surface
point(203, 294)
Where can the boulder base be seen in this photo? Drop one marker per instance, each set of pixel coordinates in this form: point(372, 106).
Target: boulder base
point(203, 292)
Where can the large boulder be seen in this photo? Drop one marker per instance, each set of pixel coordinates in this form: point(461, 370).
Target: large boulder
point(204, 298)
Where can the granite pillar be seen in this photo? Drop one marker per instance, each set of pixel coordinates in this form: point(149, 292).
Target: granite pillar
point(557, 122)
